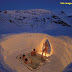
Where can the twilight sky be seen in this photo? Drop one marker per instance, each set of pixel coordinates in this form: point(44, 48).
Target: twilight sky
point(53, 5)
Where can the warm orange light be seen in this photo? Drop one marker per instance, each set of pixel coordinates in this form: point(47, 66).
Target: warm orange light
point(44, 54)
point(40, 48)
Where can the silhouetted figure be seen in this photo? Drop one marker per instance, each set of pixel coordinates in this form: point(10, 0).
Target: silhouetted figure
point(45, 49)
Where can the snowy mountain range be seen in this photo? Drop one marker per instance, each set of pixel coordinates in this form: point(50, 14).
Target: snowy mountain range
point(35, 20)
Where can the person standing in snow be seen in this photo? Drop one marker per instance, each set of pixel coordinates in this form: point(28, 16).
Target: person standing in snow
point(45, 49)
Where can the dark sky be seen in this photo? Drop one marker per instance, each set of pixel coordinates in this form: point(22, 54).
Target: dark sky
point(53, 5)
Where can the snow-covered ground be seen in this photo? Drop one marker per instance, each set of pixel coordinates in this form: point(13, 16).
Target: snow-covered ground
point(23, 30)
point(11, 46)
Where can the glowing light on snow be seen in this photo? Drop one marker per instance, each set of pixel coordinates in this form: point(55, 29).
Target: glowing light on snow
point(40, 48)
point(44, 54)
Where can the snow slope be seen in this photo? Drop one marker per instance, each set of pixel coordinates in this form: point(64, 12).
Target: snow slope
point(35, 21)
point(13, 45)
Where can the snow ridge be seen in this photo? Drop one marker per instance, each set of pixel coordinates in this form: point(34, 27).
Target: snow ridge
point(35, 20)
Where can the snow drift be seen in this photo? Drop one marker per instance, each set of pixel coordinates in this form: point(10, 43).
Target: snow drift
point(13, 45)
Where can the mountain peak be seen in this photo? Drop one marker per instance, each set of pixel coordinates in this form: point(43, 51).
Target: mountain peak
point(31, 11)
point(39, 11)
